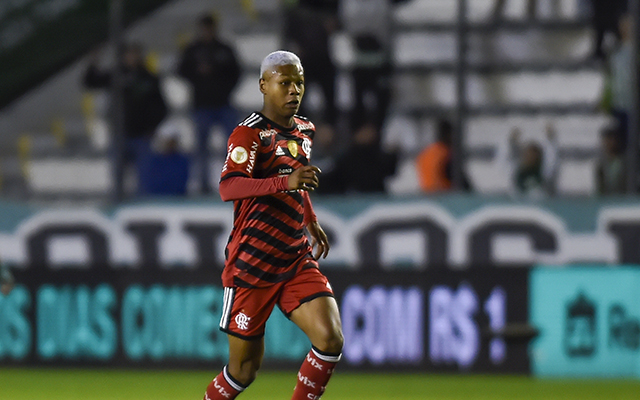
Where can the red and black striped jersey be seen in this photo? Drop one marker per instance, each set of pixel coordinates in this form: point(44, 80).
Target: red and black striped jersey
point(267, 243)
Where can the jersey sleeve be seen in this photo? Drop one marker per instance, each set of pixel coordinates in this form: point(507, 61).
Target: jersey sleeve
point(238, 187)
point(242, 152)
point(309, 214)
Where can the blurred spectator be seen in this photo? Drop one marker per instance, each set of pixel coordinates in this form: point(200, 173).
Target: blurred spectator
point(326, 154)
point(611, 170)
point(364, 167)
point(212, 69)
point(532, 167)
point(605, 17)
point(368, 23)
point(367, 17)
point(529, 179)
point(307, 32)
point(434, 162)
point(168, 171)
point(620, 74)
point(144, 107)
point(371, 81)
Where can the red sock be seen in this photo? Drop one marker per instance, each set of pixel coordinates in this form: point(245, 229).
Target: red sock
point(223, 387)
point(314, 375)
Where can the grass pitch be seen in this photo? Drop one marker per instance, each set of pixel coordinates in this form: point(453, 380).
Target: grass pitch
point(107, 384)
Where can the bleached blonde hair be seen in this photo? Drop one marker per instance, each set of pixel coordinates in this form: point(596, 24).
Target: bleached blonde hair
point(278, 58)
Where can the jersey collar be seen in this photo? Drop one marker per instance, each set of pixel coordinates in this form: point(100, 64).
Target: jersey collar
point(279, 127)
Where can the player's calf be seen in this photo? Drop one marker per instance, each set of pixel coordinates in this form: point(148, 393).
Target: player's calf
point(223, 387)
point(314, 374)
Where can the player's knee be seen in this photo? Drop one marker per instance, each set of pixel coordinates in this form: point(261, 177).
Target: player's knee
point(332, 341)
point(248, 376)
point(245, 372)
point(337, 342)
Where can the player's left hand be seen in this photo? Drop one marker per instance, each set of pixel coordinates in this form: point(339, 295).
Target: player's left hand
point(320, 239)
point(304, 178)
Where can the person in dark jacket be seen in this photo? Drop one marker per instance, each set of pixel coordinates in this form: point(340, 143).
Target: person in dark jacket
point(144, 106)
point(212, 69)
point(605, 17)
point(364, 167)
point(308, 29)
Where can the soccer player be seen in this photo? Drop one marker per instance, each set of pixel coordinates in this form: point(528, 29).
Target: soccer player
point(269, 260)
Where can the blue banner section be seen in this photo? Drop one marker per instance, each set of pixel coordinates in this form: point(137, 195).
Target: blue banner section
point(141, 325)
point(589, 321)
point(15, 325)
point(440, 320)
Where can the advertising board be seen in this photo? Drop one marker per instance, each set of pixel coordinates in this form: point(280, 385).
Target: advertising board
point(169, 318)
point(365, 232)
point(436, 321)
point(589, 321)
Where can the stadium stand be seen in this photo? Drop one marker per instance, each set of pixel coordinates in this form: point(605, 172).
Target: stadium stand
point(522, 72)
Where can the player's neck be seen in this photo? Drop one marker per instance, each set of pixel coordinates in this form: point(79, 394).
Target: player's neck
point(286, 122)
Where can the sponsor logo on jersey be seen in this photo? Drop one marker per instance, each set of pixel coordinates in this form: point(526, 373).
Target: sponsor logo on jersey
point(292, 145)
point(252, 157)
point(267, 133)
point(305, 127)
point(226, 160)
point(239, 155)
point(279, 151)
point(242, 320)
point(306, 147)
point(284, 171)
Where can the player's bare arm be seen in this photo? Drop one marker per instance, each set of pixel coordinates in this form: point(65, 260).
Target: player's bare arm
point(304, 178)
point(318, 238)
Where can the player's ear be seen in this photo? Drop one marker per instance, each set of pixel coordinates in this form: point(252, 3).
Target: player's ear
point(263, 85)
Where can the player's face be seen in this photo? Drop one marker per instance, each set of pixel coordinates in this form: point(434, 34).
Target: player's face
point(283, 88)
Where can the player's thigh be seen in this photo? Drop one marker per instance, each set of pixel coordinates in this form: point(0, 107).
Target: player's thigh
point(319, 319)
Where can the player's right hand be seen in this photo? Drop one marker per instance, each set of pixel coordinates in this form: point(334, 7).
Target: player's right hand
point(304, 178)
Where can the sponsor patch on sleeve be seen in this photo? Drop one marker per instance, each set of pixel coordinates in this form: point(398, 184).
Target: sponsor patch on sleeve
point(239, 155)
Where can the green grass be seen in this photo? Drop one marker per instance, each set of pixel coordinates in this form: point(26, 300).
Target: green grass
point(98, 384)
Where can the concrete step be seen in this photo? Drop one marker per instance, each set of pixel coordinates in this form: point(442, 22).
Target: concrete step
point(416, 12)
